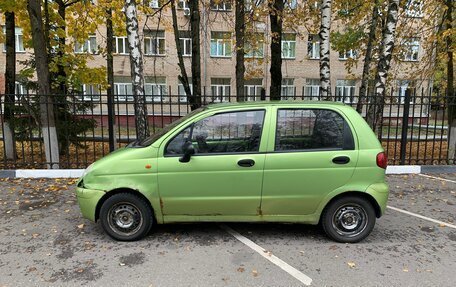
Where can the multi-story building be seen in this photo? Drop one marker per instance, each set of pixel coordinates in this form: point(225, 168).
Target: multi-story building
point(300, 54)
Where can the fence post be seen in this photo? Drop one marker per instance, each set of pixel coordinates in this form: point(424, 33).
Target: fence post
point(405, 118)
point(111, 121)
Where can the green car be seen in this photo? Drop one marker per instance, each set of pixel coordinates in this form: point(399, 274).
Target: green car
point(302, 162)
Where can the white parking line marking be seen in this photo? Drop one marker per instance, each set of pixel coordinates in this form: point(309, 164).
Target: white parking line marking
point(422, 217)
point(272, 258)
point(435, 177)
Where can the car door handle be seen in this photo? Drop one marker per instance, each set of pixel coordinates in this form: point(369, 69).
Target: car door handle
point(341, 160)
point(246, 162)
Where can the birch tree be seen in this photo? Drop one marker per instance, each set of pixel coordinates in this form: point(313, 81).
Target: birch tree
point(368, 57)
point(325, 68)
point(276, 17)
point(47, 121)
point(375, 111)
point(137, 69)
point(10, 79)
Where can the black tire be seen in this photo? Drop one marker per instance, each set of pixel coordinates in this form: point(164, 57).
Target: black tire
point(126, 217)
point(348, 219)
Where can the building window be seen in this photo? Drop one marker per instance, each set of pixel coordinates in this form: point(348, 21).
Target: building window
point(123, 91)
point(155, 4)
point(154, 42)
point(411, 47)
point(88, 46)
point(291, 4)
point(220, 44)
point(121, 45)
point(221, 89)
point(313, 46)
point(185, 43)
point(414, 8)
point(220, 5)
point(181, 91)
point(348, 54)
point(288, 46)
point(183, 4)
point(20, 89)
point(287, 89)
point(255, 48)
point(345, 91)
point(404, 87)
point(90, 92)
point(312, 89)
point(155, 89)
point(18, 38)
point(252, 89)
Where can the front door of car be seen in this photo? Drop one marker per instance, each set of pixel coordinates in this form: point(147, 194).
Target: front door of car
point(312, 153)
point(224, 175)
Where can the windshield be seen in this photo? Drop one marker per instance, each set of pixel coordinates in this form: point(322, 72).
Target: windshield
point(150, 140)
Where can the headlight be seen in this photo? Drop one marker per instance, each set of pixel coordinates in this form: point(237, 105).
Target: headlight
point(87, 170)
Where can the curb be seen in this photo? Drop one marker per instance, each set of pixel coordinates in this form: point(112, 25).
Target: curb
point(76, 173)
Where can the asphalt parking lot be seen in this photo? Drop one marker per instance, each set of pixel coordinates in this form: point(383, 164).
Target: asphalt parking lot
point(45, 241)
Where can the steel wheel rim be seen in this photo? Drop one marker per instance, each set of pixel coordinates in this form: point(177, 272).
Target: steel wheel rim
point(125, 218)
point(350, 220)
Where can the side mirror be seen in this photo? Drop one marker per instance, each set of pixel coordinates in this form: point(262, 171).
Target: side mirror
point(189, 150)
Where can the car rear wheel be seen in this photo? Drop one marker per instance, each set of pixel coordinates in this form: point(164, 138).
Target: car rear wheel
point(348, 219)
point(126, 217)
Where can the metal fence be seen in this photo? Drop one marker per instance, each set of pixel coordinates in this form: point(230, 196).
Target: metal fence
point(414, 128)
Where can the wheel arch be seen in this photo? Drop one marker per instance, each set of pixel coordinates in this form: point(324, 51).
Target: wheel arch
point(364, 195)
point(122, 190)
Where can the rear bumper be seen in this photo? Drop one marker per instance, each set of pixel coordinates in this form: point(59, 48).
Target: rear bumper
point(88, 200)
point(380, 192)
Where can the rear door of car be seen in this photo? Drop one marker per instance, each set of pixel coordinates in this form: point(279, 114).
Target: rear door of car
point(311, 152)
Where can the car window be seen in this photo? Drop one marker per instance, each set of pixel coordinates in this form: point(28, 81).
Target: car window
point(304, 129)
point(233, 132)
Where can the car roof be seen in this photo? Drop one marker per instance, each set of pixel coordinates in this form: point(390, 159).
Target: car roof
point(273, 103)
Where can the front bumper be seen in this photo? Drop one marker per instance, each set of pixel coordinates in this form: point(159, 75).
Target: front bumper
point(88, 200)
point(379, 191)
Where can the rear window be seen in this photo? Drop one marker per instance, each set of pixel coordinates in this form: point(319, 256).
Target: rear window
point(312, 129)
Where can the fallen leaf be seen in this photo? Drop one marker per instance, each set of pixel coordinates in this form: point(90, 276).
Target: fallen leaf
point(241, 269)
point(81, 226)
point(254, 273)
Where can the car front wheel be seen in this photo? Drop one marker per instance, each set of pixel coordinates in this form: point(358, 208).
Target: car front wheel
point(348, 219)
point(126, 217)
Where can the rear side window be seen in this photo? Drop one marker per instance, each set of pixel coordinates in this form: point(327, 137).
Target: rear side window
point(312, 129)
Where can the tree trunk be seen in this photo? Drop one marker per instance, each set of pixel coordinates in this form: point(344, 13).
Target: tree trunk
point(275, 15)
point(183, 77)
point(61, 74)
point(110, 76)
point(450, 86)
point(325, 67)
point(10, 80)
point(195, 99)
point(137, 67)
point(368, 59)
point(47, 25)
point(240, 39)
point(47, 120)
point(375, 111)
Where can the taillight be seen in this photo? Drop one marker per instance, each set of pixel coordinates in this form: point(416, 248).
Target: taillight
point(382, 161)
